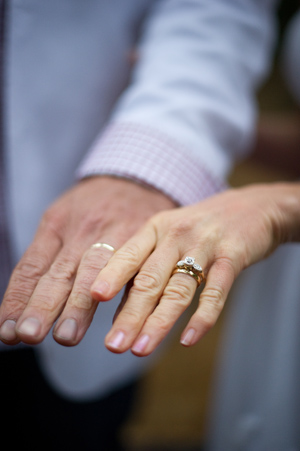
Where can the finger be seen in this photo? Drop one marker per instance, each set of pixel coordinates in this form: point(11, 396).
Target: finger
point(175, 300)
point(177, 296)
point(124, 264)
point(220, 278)
point(32, 266)
point(80, 307)
point(123, 300)
point(146, 291)
point(51, 293)
point(149, 314)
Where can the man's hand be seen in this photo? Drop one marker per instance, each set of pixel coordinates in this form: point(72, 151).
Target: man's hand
point(53, 279)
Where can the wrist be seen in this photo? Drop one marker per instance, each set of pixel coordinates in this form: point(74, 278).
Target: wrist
point(287, 200)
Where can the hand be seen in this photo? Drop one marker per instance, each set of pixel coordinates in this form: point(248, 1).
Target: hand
point(53, 279)
point(224, 234)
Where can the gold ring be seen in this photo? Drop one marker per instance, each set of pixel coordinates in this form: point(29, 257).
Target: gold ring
point(189, 267)
point(106, 246)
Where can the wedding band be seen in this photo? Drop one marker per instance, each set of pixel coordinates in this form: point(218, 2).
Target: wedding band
point(105, 245)
point(190, 267)
point(197, 277)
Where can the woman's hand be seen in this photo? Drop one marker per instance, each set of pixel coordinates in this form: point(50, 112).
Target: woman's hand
point(224, 234)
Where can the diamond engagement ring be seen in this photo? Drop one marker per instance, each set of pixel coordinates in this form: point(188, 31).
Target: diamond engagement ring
point(190, 267)
point(104, 245)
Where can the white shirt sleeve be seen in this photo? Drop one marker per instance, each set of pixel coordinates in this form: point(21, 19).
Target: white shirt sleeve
point(189, 111)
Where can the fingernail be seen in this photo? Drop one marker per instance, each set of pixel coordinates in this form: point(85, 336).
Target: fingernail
point(141, 344)
point(67, 330)
point(30, 327)
point(101, 287)
point(116, 340)
point(8, 330)
point(187, 339)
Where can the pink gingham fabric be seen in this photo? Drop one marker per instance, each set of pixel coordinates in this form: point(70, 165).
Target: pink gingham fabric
point(149, 157)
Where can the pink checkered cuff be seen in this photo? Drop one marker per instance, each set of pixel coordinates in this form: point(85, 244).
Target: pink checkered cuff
point(149, 157)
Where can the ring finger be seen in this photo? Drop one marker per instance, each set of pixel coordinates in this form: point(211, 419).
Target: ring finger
point(80, 307)
point(153, 307)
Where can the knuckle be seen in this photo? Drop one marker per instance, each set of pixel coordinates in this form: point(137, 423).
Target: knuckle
point(45, 303)
point(146, 281)
point(63, 269)
point(129, 254)
point(180, 292)
point(128, 230)
point(91, 223)
point(160, 323)
point(52, 219)
point(21, 286)
point(225, 263)
point(49, 216)
point(83, 283)
point(214, 296)
point(28, 270)
point(180, 229)
point(14, 301)
point(82, 301)
point(160, 218)
point(90, 265)
point(131, 317)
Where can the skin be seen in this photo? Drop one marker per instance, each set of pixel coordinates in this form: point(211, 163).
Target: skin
point(225, 234)
point(52, 280)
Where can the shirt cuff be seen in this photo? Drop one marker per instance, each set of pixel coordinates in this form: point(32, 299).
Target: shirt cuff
point(147, 156)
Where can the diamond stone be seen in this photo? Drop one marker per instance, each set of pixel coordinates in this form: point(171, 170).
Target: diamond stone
point(181, 263)
point(189, 261)
point(197, 267)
